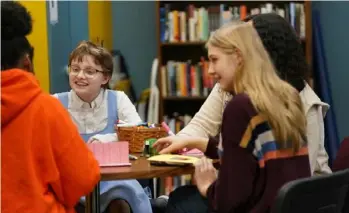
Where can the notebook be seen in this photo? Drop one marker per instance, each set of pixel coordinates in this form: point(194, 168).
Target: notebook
point(111, 154)
point(170, 159)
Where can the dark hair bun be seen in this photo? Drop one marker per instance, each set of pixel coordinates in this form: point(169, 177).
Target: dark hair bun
point(16, 21)
point(284, 47)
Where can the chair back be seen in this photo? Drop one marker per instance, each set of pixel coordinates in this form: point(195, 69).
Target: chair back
point(317, 194)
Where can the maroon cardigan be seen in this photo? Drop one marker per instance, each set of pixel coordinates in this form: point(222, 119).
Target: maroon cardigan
point(249, 182)
point(342, 160)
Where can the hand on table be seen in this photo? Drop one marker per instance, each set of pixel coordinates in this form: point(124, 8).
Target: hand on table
point(170, 144)
point(93, 140)
point(103, 138)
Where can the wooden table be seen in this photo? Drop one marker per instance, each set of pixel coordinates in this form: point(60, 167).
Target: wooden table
point(140, 169)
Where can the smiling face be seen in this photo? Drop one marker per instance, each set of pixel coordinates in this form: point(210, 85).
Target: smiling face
point(86, 78)
point(223, 66)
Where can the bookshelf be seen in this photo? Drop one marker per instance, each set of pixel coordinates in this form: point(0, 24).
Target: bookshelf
point(182, 76)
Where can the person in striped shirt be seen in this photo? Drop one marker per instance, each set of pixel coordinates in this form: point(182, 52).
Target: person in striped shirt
point(263, 142)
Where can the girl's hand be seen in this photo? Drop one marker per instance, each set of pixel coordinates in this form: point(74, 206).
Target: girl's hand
point(103, 138)
point(205, 175)
point(93, 140)
point(171, 144)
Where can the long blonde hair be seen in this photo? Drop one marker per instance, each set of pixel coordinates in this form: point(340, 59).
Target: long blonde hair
point(274, 98)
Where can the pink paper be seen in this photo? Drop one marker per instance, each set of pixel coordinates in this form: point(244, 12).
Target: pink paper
point(192, 152)
point(111, 154)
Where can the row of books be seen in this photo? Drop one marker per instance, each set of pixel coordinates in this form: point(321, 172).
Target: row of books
point(196, 24)
point(168, 184)
point(185, 79)
point(175, 122)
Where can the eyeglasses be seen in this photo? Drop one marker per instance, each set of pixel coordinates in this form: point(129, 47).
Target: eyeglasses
point(89, 72)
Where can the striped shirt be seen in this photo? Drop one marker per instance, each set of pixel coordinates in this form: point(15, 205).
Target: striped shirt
point(253, 165)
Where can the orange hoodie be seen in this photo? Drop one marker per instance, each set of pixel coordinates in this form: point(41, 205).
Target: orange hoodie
point(45, 165)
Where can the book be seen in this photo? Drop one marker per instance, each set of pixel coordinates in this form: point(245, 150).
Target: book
point(184, 78)
point(111, 154)
point(172, 160)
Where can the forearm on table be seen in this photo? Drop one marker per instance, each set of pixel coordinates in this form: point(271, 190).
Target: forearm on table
point(106, 138)
point(199, 143)
point(206, 145)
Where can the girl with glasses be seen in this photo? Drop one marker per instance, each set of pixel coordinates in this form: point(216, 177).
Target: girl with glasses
point(95, 110)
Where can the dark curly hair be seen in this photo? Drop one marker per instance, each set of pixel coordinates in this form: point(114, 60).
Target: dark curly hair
point(284, 47)
point(16, 24)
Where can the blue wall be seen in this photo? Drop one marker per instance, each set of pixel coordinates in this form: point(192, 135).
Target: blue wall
point(72, 27)
point(134, 34)
point(335, 31)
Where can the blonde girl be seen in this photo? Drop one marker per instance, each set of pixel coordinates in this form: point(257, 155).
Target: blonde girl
point(263, 136)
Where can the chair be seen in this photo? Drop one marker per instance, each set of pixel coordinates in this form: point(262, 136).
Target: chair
point(319, 194)
point(346, 204)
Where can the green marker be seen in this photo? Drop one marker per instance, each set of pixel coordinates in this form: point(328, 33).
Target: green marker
point(148, 148)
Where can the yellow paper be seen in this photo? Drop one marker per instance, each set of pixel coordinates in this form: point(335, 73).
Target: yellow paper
point(169, 159)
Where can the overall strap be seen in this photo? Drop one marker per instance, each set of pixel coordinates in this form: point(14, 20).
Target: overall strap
point(112, 107)
point(112, 115)
point(64, 98)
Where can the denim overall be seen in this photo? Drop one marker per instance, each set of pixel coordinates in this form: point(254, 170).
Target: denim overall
point(129, 190)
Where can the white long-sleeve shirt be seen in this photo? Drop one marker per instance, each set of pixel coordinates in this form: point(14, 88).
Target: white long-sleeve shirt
point(207, 122)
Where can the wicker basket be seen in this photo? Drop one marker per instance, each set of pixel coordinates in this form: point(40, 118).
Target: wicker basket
point(137, 135)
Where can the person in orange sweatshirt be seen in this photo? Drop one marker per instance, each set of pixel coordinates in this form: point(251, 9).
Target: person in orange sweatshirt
point(45, 165)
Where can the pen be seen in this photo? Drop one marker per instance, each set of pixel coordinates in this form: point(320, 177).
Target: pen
point(132, 157)
point(163, 124)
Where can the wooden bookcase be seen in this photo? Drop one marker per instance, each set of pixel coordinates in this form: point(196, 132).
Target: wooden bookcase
point(194, 50)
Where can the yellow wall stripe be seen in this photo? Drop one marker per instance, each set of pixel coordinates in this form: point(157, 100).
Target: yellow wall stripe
point(100, 22)
point(39, 40)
